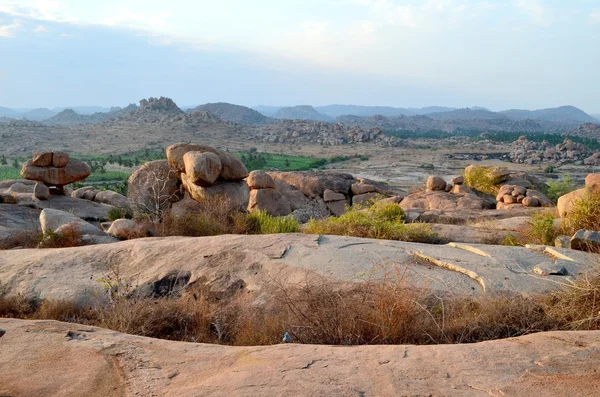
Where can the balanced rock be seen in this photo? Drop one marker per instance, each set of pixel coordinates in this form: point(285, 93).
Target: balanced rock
point(232, 168)
point(203, 168)
point(41, 191)
point(436, 183)
point(260, 180)
point(74, 171)
point(42, 159)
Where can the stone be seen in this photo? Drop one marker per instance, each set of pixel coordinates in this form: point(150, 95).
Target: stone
point(562, 241)
point(449, 187)
point(153, 188)
point(337, 208)
point(20, 188)
point(236, 191)
point(509, 199)
point(520, 199)
point(362, 188)
point(260, 180)
point(462, 189)
point(41, 191)
point(314, 184)
point(60, 159)
point(458, 180)
point(270, 200)
point(124, 229)
point(51, 219)
point(550, 269)
point(203, 168)
point(531, 202)
point(565, 202)
point(90, 194)
point(363, 199)
point(74, 171)
point(586, 240)
point(442, 201)
point(330, 195)
point(111, 198)
point(592, 182)
point(232, 168)
point(541, 198)
point(78, 193)
point(435, 183)
point(42, 159)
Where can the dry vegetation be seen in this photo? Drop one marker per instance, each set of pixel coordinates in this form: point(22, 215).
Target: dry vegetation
point(326, 312)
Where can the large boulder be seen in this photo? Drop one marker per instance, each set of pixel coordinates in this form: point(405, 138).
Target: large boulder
point(41, 191)
point(592, 182)
point(42, 159)
point(153, 188)
point(74, 171)
point(435, 183)
point(314, 184)
point(111, 198)
point(236, 191)
point(565, 202)
point(203, 168)
point(232, 168)
point(126, 228)
point(51, 219)
point(443, 201)
point(270, 200)
point(260, 180)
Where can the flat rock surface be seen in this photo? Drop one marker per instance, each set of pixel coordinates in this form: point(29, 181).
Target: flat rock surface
point(224, 261)
point(15, 219)
point(50, 358)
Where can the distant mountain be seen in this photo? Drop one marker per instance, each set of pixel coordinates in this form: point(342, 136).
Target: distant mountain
point(38, 114)
point(302, 112)
point(467, 114)
point(430, 109)
point(268, 111)
point(587, 130)
point(234, 113)
point(6, 112)
point(84, 110)
point(562, 114)
point(596, 116)
point(68, 116)
point(334, 111)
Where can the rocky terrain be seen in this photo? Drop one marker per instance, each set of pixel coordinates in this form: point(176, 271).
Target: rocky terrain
point(569, 152)
point(234, 113)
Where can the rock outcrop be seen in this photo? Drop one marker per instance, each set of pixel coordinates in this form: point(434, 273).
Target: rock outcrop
point(55, 169)
point(530, 152)
point(265, 196)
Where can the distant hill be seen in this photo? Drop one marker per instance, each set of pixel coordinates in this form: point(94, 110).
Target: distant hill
point(334, 111)
point(68, 116)
point(234, 113)
point(268, 111)
point(587, 130)
point(430, 109)
point(6, 112)
point(83, 110)
point(562, 114)
point(596, 116)
point(302, 112)
point(38, 114)
point(467, 114)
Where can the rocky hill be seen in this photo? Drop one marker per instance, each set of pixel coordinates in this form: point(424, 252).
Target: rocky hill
point(334, 111)
point(587, 130)
point(303, 112)
point(562, 114)
point(467, 114)
point(234, 113)
point(38, 114)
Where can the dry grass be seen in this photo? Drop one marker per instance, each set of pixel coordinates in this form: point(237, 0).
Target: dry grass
point(69, 236)
point(325, 312)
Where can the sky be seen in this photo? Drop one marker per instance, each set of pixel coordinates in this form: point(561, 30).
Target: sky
point(504, 54)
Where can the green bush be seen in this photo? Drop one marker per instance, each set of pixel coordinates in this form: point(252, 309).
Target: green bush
point(483, 179)
point(260, 222)
point(585, 214)
point(381, 221)
point(561, 187)
point(541, 228)
point(115, 213)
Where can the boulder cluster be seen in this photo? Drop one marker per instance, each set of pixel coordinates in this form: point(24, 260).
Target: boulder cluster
point(101, 196)
point(529, 152)
point(52, 171)
point(520, 195)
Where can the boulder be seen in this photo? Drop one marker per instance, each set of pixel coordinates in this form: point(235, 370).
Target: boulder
point(60, 159)
point(51, 219)
point(338, 208)
point(124, 229)
point(41, 191)
point(541, 197)
point(461, 189)
point(78, 193)
point(562, 241)
point(458, 180)
point(236, 191)
point(314, 184)
point(436, 183)
point(270, 200)
point(531, 202)
point(153, 188)
point(362, 188)
point(203, 168)
point(565, 202)
point(364, 199)
point(442, 201)
point(449, 187)
point(232, 168)
point(586, 240)
point(260, 180)
point(90, 194)
point(508, 199)
point(592, 182)
point(186, 207)
point(111, 198)
point(42, 159)
point(74, 171)
point(330, 195)
point(19, 187)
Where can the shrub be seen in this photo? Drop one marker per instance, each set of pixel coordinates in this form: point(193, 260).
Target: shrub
point(24, 239)
point(560, 188)
point(69, 236)
point(115, 213)
point(584, 214)
point(482, 179)
point(540, 228)
point(260, 222)
point(381, 221)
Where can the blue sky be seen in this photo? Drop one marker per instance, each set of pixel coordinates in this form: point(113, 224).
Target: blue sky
point(499, 54)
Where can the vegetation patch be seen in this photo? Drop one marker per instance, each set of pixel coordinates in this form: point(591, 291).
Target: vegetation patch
point(584, 214)
point(482, 179)
point(559, 188)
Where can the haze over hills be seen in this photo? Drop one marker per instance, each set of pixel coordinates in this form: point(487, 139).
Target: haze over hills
point(301, 112)
point(234, 113)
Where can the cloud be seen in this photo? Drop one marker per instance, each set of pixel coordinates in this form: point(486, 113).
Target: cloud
point(41, 10)
point(135, 20)
point(536, 11)
point(9, 30)
point(40, 29)
point(595, 15)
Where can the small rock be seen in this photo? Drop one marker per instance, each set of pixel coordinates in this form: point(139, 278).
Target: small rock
point(550, 269)
point(90, 194)
point(509, 199)
point(562, 241)
point(41, 191)
point(586, 240)
point(330, 195)
point(531, 202)
point(458, 180)
point(436, 183)
point(449, 187)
